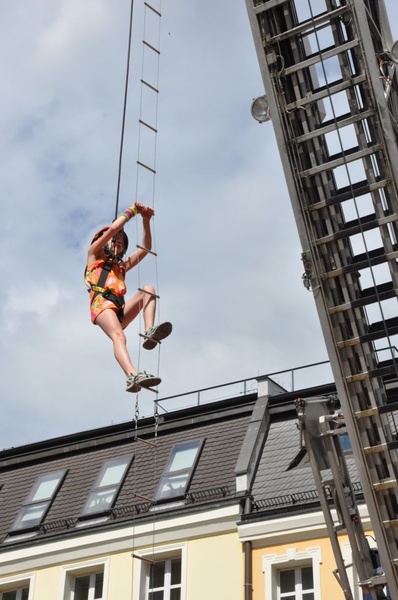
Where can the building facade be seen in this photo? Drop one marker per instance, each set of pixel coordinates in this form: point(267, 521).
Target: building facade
point(214, 501)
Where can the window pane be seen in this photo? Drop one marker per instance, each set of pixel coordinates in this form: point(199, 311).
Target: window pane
point(175, 571)
point(45, 487)
point(30, 516)
point(178, 470)
point(184, 458)
point(99, 582)
point(155, 596)
point(100, 501)
point(19, 594)
point(113, 474)
point(175, 594)
point(156, 575)
point(307, 578)
point(107, 485)
point(34, 509)
point(287, 581)
point(308, 596)
point(173, 486)
point(82, 585)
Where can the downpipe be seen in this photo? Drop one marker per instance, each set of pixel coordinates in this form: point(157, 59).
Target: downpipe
point(247, 548)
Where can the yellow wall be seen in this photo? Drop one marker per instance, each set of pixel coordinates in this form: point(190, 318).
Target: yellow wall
point(120, 577)
point(47, 583)
point(215, 568)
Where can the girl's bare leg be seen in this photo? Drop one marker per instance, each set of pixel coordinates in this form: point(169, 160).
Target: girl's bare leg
point(144, 301)
point(111, 325)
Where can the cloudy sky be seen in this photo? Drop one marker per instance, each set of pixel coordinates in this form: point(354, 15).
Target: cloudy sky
point(228, 262)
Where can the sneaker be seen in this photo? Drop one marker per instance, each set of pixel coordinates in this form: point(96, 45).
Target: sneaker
point(156, 333)
point(143, 379)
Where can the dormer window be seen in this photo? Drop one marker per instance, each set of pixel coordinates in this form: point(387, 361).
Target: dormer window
point(107, 487)
point(179, 470)
point(38, 502)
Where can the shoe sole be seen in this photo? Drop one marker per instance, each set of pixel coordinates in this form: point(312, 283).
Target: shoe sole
point(148, 382)
point(134, 388)
point(162, 331)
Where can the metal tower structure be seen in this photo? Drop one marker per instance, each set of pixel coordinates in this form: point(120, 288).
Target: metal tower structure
point(328, 68)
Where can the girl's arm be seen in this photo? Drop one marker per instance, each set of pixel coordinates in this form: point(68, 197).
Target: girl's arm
point(147, 213)
point(94, 252)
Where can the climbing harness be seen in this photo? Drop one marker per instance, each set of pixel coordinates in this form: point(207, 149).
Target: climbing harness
point(100, 286)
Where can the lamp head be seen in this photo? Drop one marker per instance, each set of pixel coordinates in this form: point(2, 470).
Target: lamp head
point(394, 52)
point(260, 109)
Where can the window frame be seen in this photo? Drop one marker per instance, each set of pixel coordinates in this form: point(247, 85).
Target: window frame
point(272, 564)
point(12, 584)
point(298, 592)
point(72, 572)
point(97, 488)
point(187, 472)
point(17, 591)
point(45, 502)
point(142, 564)
point(166, 586)
point(91, 585)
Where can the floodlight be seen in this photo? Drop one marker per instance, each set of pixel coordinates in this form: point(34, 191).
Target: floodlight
point(394, 52)
point(390, 56)
point(260, 109)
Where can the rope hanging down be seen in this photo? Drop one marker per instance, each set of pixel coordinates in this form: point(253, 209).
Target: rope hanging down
point(126, 87)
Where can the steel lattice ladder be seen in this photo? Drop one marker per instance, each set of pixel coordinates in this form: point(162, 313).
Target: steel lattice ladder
point(332, 95)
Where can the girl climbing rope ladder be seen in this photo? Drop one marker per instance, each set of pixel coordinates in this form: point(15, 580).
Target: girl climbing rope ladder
point(105, 279)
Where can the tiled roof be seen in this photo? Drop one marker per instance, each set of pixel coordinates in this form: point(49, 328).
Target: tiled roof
point(222, 427)
point(280, 485)
point(256, 439)
point(282, 445)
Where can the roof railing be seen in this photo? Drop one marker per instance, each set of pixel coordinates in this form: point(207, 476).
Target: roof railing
point(289, 379)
